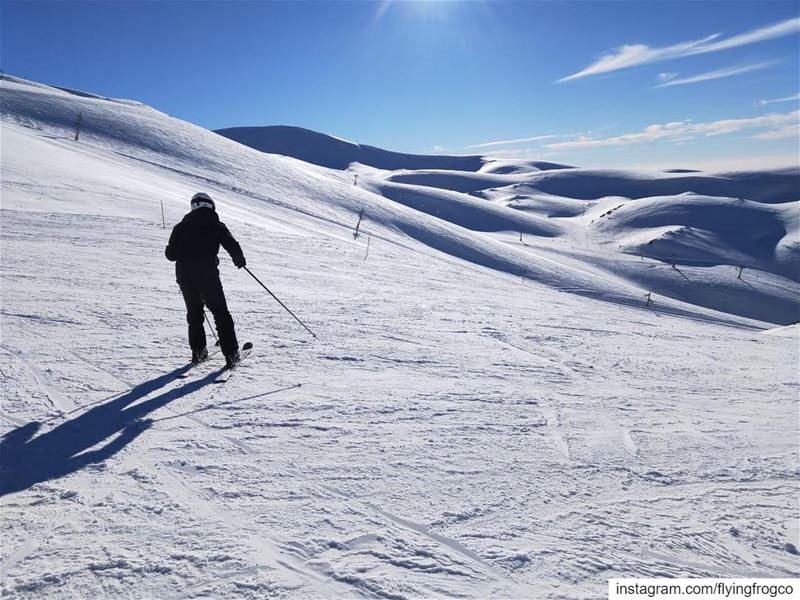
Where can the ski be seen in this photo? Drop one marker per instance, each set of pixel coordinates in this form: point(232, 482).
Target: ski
point(247, 348)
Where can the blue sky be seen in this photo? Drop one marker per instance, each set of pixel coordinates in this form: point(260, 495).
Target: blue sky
point(613, 84)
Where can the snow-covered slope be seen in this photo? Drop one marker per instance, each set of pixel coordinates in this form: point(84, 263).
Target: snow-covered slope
point(697, 229)
point(481, 417)
point(336, 153)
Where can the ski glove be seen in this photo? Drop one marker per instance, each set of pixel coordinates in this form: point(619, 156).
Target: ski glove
point(239, 261)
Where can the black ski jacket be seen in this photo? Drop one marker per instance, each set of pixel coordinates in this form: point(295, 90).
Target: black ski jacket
point(194, 244)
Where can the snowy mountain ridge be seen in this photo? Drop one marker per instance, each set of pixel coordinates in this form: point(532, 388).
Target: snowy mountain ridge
point(696, 220)
point(529, 378)
point(337, 153)
point(762, 206)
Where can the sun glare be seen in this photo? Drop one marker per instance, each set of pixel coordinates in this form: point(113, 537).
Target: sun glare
point(429, 10)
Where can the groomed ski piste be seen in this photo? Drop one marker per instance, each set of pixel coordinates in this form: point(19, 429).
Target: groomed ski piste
point(529, 378)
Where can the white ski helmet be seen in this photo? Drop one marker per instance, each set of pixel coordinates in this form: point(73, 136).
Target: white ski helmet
point(201, 199)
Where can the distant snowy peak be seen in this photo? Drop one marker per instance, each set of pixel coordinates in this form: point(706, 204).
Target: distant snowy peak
point(336, 153)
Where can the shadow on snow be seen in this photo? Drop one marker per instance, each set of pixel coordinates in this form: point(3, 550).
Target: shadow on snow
point(27, 459)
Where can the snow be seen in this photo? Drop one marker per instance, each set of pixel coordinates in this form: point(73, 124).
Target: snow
point(492, 409)
point(337, 153)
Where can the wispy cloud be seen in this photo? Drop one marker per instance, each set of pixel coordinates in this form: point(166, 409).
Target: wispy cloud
point(680, 131)
point(717, 74)
point(527, 140)
point(786, 99)
point(515, 141)
point(788, 131)
point(660, 162)
point(631, 55)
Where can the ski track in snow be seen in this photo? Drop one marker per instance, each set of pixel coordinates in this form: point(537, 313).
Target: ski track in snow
point(455, 432)
point(56, 398)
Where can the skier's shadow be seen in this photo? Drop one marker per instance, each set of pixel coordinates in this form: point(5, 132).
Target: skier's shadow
point(26, 460)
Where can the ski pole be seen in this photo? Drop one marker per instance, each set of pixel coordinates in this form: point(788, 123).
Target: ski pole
point(216, 343)
point(281, 303)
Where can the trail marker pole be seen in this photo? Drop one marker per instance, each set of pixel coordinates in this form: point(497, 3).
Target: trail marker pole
point(360, 216)
point(78, 124)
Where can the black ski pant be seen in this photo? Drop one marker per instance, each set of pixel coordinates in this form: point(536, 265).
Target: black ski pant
point(207, 291)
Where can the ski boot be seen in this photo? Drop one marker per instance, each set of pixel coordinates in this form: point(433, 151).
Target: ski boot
point(231, 360)
point(199, 356)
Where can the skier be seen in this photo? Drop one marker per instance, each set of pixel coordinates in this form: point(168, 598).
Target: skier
point(193, 246)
